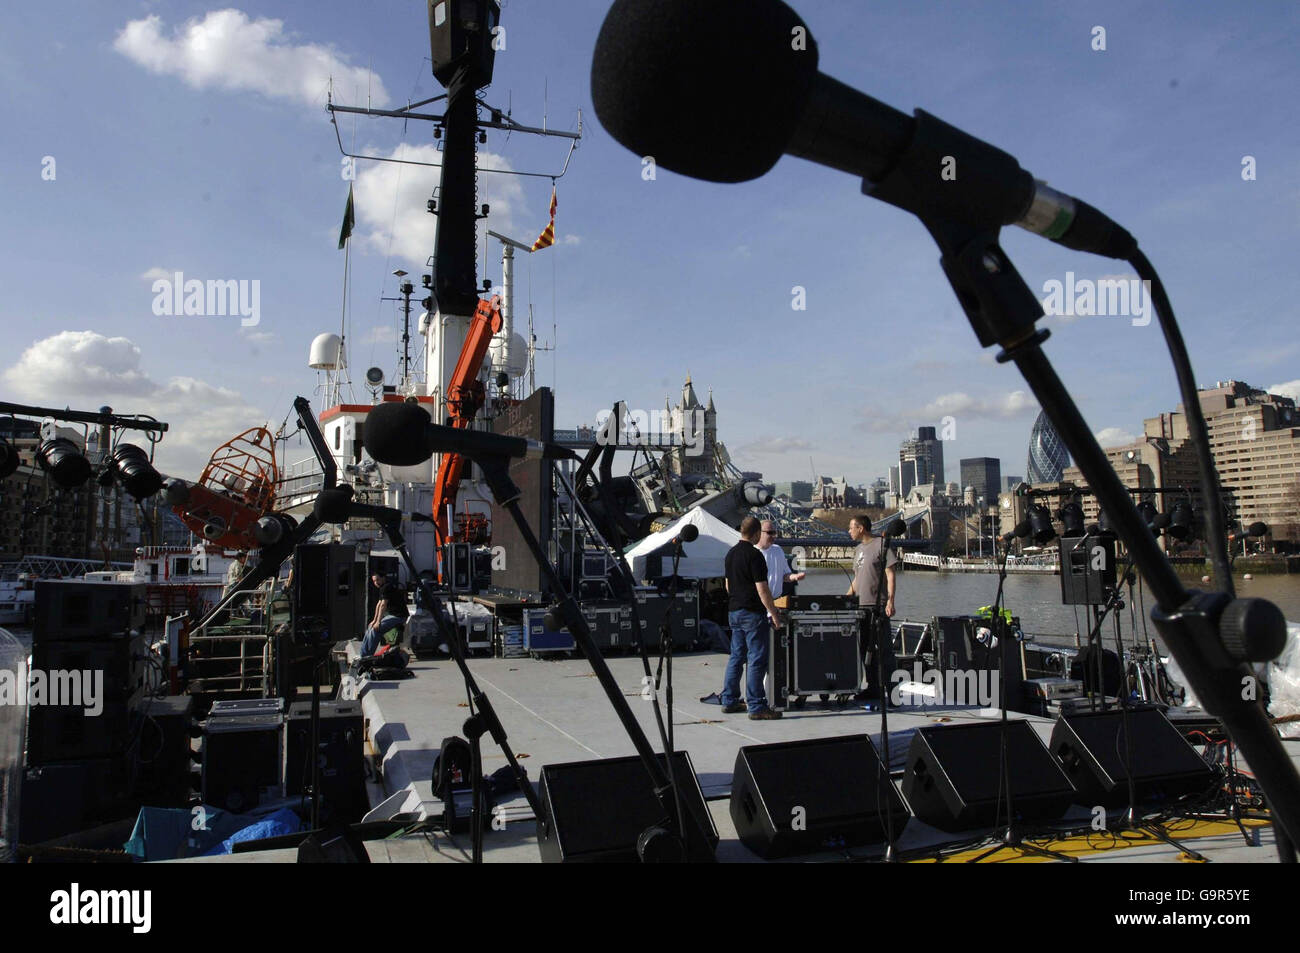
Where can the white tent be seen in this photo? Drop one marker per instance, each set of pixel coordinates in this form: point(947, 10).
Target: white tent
point(702, 558)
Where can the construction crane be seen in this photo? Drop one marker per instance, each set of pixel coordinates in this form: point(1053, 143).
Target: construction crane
point(465, 398)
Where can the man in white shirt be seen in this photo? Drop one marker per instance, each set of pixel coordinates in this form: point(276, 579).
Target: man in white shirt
point(778, 569)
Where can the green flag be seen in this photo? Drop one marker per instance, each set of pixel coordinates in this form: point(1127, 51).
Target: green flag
point(349, 219)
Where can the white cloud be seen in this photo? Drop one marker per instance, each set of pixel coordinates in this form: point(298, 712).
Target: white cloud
point(957, 404)
point(1289, 389)
point(155, 273)
point(571, 240)
point(380, 334)
point(1115, 437)
point(227, 50)
point(774, 445)
point(391, 203)
point(87, 369)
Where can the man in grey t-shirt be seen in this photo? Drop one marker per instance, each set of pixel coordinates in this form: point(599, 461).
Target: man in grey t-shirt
point(866, 566)
point(866, 582)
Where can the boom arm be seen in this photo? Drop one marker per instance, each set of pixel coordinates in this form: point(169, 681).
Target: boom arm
point(465, 398)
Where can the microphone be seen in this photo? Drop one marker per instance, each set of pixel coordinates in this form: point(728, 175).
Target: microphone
point(689, 534)
point(335, 506)
point(896, 528)
point(1020, 532)
point(720, 89)
point(401, 434)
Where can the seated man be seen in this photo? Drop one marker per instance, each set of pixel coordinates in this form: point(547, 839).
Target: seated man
point(389, 622)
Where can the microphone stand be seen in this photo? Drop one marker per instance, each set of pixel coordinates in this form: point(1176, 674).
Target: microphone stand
point(1011, 836)
point(484, 720)
point(883, 637)
point(604, 531)
point(1003, 310)
point(682, 840)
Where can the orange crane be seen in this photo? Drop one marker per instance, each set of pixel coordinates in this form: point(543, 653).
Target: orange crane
point(465, 398)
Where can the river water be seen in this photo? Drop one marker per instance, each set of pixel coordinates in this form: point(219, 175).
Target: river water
point(1035, 599)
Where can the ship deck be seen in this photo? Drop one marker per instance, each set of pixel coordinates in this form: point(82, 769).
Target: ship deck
point(554, 711)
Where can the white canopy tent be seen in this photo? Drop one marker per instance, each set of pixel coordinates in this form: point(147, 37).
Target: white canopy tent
point(703, 558)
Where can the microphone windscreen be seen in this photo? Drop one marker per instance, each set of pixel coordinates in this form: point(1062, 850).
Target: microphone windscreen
point(394, 434)
point(332, 505)
point(1023, 529)
point(713, 89)
point(896, 528)
point(690, 532)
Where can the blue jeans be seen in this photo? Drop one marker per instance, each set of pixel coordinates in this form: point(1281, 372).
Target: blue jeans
point(749, 635)
point(370, 644)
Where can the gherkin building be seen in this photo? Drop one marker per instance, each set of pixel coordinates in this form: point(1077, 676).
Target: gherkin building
point(1048, 457)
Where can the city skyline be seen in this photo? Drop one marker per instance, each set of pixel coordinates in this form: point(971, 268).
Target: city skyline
point(218, 144)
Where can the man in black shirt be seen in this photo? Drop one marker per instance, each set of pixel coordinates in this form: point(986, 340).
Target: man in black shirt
point(751, 611)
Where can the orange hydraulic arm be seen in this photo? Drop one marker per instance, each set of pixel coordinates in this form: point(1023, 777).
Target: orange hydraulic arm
point(465, 398)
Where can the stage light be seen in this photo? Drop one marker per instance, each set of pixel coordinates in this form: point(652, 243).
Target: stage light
point(1072, 519)
point(133, 469)
point(8, 458)
point(63, 462)
point(1040, 524)
point(1180, 521)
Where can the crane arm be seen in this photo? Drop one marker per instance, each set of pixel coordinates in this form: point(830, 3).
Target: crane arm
point(464, 399)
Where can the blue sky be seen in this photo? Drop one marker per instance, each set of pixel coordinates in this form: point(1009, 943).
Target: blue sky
point(187, 136)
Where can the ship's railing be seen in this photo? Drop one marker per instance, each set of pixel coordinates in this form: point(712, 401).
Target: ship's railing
point(1042, 563)
point(59, 566)
point(304, 478)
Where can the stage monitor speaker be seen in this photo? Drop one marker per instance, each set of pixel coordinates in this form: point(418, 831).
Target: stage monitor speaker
point(954, 776)
point(1091, 748)
point(1087, 569)
point(800, 797)
point(594, 811)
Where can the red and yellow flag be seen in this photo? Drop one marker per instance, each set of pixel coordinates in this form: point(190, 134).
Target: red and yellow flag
point(547, 238)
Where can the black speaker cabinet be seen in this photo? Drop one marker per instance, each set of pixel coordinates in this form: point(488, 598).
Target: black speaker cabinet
point(241, 760)
point(326, 588)
point(952, 644)
point(954, 778)
point(1087, 569)
point(460, 35)
point(72, 610)
point(799, 797)
point(1091, 748)
point(342, 761)
point(86, 690)
point(594, 811)
point(162, 760)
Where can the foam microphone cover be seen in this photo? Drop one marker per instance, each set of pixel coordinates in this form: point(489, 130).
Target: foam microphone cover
point(896, 528)
point(690, 533)
point(332, 505)
point(713, 89)
point(394, 434)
